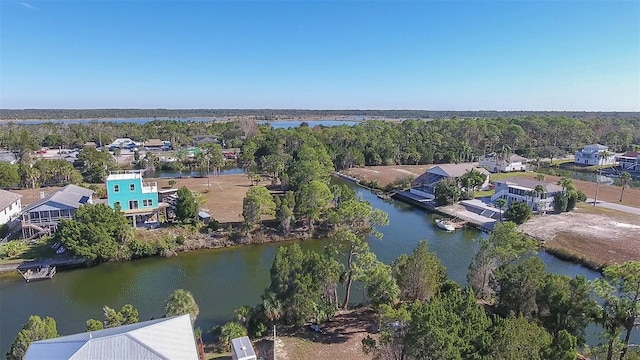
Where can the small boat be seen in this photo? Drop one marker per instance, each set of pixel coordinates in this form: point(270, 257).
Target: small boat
point(445, 225)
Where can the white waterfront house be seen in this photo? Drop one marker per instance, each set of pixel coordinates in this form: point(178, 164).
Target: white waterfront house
point(123, 143)
point(629, 161)
point(10, 206)
point(594, 155)
point(425, 184)
point(524, 190)
point(495, 163)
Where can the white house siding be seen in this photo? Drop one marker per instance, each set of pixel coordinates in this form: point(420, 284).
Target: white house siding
point(513, 192)
point(10, 212)
point(590, 155)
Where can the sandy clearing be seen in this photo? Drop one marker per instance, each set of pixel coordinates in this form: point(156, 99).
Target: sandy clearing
point(602, 238)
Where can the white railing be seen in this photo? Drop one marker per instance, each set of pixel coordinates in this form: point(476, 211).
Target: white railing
point(149, 187)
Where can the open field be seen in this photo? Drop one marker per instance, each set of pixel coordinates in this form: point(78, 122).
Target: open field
point(386, 174)
point(222, 197)
point(594, 235)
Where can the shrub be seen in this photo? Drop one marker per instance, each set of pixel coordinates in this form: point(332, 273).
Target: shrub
point(560, 203)
point(4, 230)
point(582, 197)
point(12, 249)
point(214, 225)
point(180, 240)
point(572, 199)
point(140, 249)
point(518, 212)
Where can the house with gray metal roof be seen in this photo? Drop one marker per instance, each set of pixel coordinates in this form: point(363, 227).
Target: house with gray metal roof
point(10, 206)
point(161, 339)
point(42, 217)
point(425, 184)
point(524, 190)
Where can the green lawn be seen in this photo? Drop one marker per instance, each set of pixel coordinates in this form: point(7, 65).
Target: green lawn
point(34, 250)
point(483, 193)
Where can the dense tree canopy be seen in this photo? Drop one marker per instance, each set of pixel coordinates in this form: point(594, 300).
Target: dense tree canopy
point(96, 232)
point(35, 329)
point(186, 206)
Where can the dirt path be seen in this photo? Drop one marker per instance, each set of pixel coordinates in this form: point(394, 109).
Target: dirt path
point(341, 339)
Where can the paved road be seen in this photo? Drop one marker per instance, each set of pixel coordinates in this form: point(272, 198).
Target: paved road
point(614, 206)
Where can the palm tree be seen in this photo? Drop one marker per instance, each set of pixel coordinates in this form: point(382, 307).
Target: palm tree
point(229, 331)
point(601, 156)
point(566, 183)
point(272, 307)
point(501, 204)
point(181, 302)
point(624, 177)
point(117, 153)
point(539, 189)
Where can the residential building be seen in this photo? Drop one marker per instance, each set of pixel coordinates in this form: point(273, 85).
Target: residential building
point(425, 184)
point(595, 155)
point(42, 217)
point(524, 190)
point(156, 145)
point(136, 198)
point(629, 161)
point(241, 349)
point(201, 139)
point(161, 339)
point(8, 156)
point(10, 206)
point(496, 163)
point(122, 143)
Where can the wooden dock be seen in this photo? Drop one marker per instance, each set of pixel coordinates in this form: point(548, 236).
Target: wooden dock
point(39, 273)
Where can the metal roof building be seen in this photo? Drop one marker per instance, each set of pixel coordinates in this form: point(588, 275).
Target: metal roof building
point(241, 349)
point(166, 338)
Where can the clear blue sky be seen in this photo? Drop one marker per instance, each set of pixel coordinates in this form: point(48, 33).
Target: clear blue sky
point(433, 55)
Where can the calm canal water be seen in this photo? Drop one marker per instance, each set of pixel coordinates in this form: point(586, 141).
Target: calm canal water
point(221, 280)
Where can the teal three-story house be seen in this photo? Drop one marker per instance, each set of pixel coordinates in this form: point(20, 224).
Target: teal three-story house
point(138, 200)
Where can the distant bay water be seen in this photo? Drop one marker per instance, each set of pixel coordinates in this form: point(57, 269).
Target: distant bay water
point(276, 124)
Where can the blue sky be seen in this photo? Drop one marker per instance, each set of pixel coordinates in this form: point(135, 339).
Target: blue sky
point(433, 55)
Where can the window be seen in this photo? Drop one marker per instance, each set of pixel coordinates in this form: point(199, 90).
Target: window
point(147, 202)
point(132, 187)
point(133, 204)
point(116, 188)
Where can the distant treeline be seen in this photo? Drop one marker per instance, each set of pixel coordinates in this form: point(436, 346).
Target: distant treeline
point(274, 114)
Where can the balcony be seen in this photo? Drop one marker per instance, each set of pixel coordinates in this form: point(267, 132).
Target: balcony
point(149, 187)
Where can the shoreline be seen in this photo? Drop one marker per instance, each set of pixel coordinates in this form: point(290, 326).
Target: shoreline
point(195, 243)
